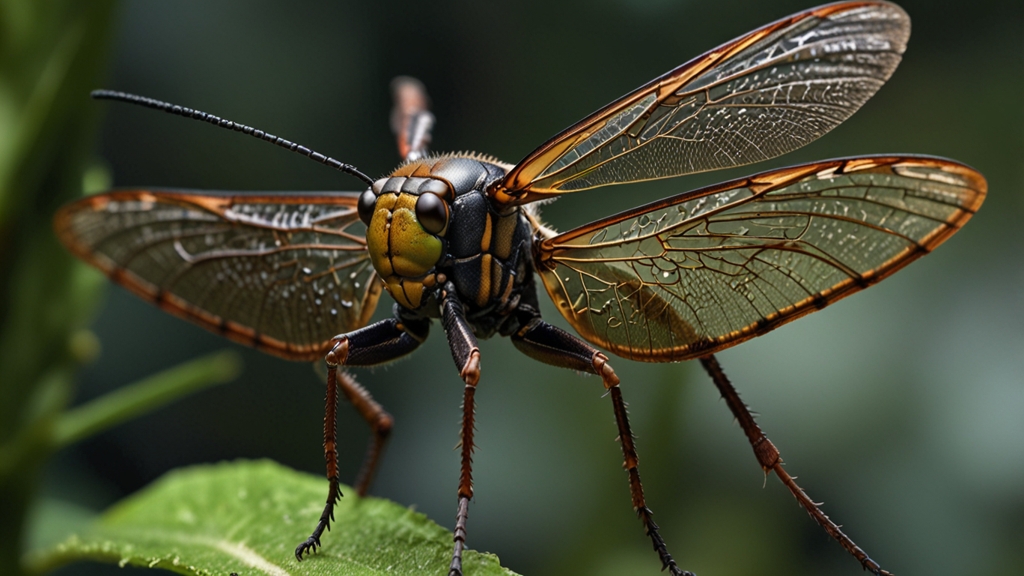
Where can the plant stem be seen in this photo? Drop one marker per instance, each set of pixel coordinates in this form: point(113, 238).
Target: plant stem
point(135, 399)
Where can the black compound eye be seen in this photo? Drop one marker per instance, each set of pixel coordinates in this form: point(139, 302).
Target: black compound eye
point(432, 213)
point(367, 201)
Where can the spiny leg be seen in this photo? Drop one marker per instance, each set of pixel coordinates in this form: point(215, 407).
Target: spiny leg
point(380, 423)
point(770, 460)
point(378, 343)
point(331, 455)
point(552, 345)
point(467, 359)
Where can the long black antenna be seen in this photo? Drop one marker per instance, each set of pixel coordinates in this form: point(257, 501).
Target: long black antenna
point(217, 121)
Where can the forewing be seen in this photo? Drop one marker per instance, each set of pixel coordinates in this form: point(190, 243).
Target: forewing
point(754, 98)
point(705, 270)
point(282, 272)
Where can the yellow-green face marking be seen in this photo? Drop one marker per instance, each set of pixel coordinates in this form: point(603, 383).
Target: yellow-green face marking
point(403, 236)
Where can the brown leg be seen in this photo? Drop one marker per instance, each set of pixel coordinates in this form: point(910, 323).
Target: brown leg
point(378, 343)
point(555, 346)
point(380, 426)
point(331, 455)
point(466, 473)
point(631, 463)
point(770, 460)
point(464, 350)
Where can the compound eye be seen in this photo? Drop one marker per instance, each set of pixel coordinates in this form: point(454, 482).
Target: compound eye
point(439, 187)
point(432, 213)
point(367, 201)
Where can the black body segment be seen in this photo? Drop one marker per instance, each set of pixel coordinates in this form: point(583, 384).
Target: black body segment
point(489, 261)
point(471, 216)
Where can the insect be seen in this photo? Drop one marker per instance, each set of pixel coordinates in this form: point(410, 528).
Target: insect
point(458, 237)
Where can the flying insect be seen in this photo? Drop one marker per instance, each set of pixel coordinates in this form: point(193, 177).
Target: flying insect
point(459, 237)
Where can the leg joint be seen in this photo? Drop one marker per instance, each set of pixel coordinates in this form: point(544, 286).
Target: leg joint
point(470, 371)
point(603, 369)
point(339, 351)
point(383, 424)
point(767, 454)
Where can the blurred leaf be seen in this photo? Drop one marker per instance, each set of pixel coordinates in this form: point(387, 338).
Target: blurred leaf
point(136, 399)
point(51, 521)
point(247, 517)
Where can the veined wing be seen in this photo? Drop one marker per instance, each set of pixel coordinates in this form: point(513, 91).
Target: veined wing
point(759, 96)
point(282, 272)
point(702, 271)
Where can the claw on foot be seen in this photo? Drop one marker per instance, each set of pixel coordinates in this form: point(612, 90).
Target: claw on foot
point(310, 546)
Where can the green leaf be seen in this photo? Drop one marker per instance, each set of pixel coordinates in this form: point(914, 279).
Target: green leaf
point(247, 518)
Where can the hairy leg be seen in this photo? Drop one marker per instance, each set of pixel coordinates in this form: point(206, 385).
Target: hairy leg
point(378, 343)
point(771, 461)
point(552, 345)
point(467, 359)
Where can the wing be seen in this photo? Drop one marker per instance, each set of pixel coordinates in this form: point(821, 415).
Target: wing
point(761, 95)
point(280, 272)
point(702, 271)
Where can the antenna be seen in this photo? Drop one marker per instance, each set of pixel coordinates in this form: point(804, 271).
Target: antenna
point(217, 121)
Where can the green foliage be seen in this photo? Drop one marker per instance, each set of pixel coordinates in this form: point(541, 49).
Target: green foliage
point(247, 517)
point(51, 51)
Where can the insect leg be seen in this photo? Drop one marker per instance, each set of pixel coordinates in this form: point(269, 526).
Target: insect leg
point(770, 460)
point(411, 120)
point(552, 345)
point(378, 343)
point(380, 423)
point(467, 359)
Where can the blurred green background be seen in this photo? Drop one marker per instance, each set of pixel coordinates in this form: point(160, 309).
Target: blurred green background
point(902, 408)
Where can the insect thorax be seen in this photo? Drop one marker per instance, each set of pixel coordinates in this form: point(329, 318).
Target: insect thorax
point(484, 253)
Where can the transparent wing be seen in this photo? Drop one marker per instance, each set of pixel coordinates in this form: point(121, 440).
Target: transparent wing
point(282, 272)
point(702, 271)
point(761, 95)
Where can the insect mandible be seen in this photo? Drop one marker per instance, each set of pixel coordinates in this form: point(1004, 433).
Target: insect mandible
point(458, 237)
